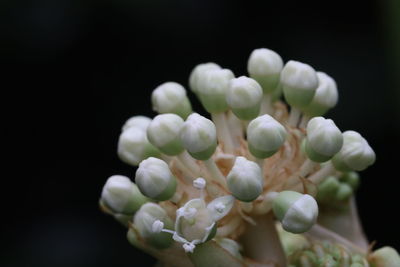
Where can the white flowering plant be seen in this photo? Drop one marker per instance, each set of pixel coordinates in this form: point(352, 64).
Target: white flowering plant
point(264, 181)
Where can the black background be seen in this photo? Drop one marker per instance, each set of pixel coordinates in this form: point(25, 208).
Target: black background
point(76, 70)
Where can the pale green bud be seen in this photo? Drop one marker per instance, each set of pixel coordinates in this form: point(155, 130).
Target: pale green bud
point(245, 180)
point(197, 73)
point(324, 139)
point(344, 192)
point(194, 223)
point(356, 154)
point(351, 178)
point(155, 179)
point(385, 257)
point(328, 189)
point(144, 220)
point(133, 146)
point(121, 195)
point(213, 88)
point(170, 97)
point(137, 121)
point(299, 83)
point(297, 212)
point(244, 97)
point(163, 133)
point(230, 245)
point(265, 136)
point(199, 136)
point(325, 98)
point(264, 66)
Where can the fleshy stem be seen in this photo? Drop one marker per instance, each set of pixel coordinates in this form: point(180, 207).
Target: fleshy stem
point(223, 135)
point(266, 105)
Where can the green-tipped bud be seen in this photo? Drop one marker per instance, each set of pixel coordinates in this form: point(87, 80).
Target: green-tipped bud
point(351, 178)
point(264, 66)
point(194, 223)
point(324, 139)
point(155, 179)
point(297, 212)
point(327, 190)
point(199, 136)
point(137, 121)
point(163, 133)
point(170, 97)
point(244, 97)
point(299, 83)
point(344, 192)
point(121, 195)
point(265, 136)
point(355, 155)
point(385, 257)
point(144, 220)
point(133, 146)
point(230, 245)
point(325, 98)
point(212, 90)
point(245, 180)
point(197, 73)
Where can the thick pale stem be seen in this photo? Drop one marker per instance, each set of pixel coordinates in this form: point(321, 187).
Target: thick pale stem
point(305, 169)
point(294, 117)
point(235, 128)
point(304, 120)
point(223, 134)
point(189, 163)
point(266, 105)
point(260, 163)
point(261, 242)
point(345, 223)
point(323, 173)
point(214, 171)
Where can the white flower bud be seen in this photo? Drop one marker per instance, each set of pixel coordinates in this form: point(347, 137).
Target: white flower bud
point(384, 257)
point(265, 136)
point(245, 180)
point(244, 97)
point(355, 155)
point(194, 222)
point(163, 133)
point(325, 98)
point(264, 66)
point(155, 179)
point(220, 207)
point(170, 97)
point(144, 221)
point(121, 195)
point(133, 146)
point(212, 90)
point(324, 139)
point(297, 212)
point(137, 121)
point(299, 83)
point(197, 74)
point(199, 136)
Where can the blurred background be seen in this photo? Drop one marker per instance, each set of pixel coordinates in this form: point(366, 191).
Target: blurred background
point(74, 71)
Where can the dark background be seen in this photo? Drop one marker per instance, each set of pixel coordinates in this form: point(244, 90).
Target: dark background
point(74, 71)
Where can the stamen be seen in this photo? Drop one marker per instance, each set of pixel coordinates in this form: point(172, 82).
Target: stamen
point(190, 213)
point(157, 226)
point(188, 247)
point(219, 207)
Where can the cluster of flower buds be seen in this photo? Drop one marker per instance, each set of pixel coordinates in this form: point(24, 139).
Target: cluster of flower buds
point(262, 181)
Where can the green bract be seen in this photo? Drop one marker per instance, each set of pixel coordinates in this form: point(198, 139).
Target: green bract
point(212, 89)
point(325, 98)
point(299, 83)
point(297, 212)
point(355, 155)
point(155, 179)
point(121, 195)
point(244, 97)
point(133, 146)
point(170, 97)
point(265, 136)
point(163, 133)
point(324, 139)
point(144, 220)
point(245, 180)
point(264, 66)
point(137, 121)
point(199, 136)
point(197, 73)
